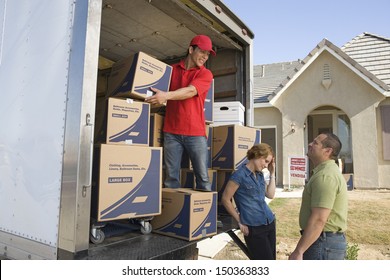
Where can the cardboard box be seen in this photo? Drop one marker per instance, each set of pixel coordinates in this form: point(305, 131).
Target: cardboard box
point(133, 76)
point(208, 104)
point(156, 136)
point(127, 122)
point(223, 177)
point(229, 113)
point(188, 180)
point(126, 182)
point(187, 214)
point(231, 143)
point(185, 160)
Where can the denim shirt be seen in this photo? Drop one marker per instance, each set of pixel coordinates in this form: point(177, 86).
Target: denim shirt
point(250, 198)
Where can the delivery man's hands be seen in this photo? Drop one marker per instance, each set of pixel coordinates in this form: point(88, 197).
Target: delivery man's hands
point(158, 98)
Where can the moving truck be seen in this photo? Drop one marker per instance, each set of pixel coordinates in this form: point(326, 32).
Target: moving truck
point(55, 60)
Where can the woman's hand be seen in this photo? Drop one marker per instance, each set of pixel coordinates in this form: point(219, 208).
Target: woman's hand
point(271, 167)
point(244, 229)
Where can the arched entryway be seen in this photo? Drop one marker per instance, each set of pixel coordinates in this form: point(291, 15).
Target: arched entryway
point(331, 119)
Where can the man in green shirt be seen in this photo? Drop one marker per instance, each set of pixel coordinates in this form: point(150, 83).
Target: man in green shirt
point(323, 214)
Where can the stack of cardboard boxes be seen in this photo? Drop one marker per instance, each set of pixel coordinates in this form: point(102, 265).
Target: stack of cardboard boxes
point(188, 213)
point(128, 170)
point(230, 145)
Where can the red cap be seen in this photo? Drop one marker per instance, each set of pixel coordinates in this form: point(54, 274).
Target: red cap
point(203, 42)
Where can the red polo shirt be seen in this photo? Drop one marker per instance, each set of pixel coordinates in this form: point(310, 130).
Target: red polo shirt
point(186, 117)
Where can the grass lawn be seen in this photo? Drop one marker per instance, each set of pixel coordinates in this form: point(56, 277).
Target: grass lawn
point(368, 219)
point(368, 226)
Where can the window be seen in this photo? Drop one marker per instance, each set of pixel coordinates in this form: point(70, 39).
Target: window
point(344, 134)
point(385, 113)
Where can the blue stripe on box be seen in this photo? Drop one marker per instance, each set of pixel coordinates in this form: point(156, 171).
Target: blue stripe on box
point(164, 80)
point(181, 219)
point(225, 152)
point(210, 219)
point(129, 78)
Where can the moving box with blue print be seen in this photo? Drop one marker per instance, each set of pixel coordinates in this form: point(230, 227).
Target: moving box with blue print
point(156, 135)
point(128, 122)
point(127, 182)
point(134, 75)
point(188, 180)
point(187, 214)
point(223, 177)
point(231, 143)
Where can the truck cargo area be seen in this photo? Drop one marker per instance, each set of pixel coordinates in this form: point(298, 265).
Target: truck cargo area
point(161, 29)
point(53, 118)
point(137, 246)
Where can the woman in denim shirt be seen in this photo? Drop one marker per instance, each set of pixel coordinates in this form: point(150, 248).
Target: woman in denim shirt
point(249, 189)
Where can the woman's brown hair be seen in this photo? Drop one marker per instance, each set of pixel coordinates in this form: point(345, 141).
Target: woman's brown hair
point(261, 150)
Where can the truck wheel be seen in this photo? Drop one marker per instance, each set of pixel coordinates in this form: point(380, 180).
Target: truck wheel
point(99, 238)
point(146, 228)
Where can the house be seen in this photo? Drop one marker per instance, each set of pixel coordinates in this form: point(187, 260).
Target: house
point(341, 90)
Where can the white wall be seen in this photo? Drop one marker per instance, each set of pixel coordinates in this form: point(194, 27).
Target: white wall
point(348, 92)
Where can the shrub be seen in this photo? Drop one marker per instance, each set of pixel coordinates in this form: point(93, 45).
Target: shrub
point(352, 252)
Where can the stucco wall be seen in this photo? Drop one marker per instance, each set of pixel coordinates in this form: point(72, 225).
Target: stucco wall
point(348, 92)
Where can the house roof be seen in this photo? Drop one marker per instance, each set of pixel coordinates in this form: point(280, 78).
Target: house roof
point(367, 55)
point(372, 52)
point(267, 78)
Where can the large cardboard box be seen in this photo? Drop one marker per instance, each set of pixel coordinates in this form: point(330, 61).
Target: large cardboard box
point(208, 104)
point(187, 214)
point(156, 137)
point(231, 112)
point(126, 182)
point(127, 122)
point(133, 76)
point(231, 143)
point(188, 180)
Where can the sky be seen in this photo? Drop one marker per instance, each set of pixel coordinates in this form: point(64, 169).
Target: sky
point(287, 30)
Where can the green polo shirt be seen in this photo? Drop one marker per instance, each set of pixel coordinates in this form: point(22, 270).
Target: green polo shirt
point(326, 189)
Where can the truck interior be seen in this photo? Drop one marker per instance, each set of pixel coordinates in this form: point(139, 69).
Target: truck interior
point(163, 30)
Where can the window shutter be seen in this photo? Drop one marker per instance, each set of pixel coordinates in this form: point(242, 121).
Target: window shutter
point(385, 113)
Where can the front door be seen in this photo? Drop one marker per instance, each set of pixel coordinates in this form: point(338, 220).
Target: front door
point(337, 122)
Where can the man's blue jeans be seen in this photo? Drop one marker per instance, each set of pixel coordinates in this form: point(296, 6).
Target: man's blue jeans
point(329, 246)
point(196, 148)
